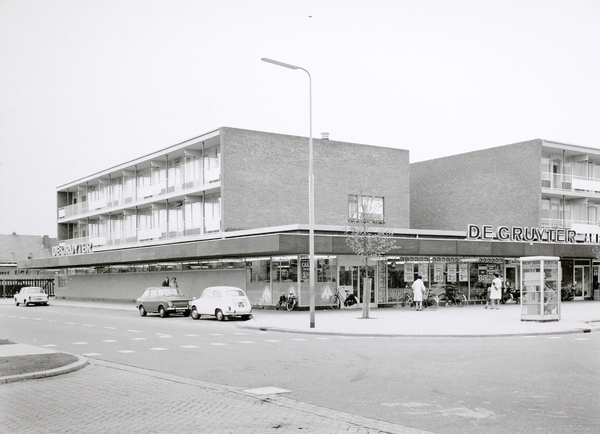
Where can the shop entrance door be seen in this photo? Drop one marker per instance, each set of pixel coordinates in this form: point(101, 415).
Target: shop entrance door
point(351, 277)
point(582, 284)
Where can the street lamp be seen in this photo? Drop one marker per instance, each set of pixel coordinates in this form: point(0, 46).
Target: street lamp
point(311, 193)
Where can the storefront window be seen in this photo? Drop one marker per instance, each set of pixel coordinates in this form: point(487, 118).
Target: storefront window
point(284, 269)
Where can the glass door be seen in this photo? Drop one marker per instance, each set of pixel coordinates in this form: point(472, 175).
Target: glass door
point(582, 284)
point(352, 274)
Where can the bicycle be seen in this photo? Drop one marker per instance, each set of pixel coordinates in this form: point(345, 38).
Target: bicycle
point(404, 301)
point(454, 298)
point(258, 304)
point(337, 301)
point(288, 302)
point(431, 301)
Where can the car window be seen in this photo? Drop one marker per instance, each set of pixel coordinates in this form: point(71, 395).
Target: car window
point(207, 294)
point(217, 294)
point(146, 293)
point(171, 292)
point(153, 293)
point(235, 293)
point(35, 291)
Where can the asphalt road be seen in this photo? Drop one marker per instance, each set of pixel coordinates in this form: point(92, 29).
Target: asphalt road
point(450, 385)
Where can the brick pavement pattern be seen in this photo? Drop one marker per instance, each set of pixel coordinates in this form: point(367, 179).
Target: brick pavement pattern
point(105, 397)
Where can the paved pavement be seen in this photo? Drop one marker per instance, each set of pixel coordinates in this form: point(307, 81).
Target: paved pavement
point(107, 397)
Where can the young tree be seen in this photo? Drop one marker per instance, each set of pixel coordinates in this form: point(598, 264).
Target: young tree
point(368, 237)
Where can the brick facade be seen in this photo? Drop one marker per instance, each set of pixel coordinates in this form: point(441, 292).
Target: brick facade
point(496, 186)
point(265, 180)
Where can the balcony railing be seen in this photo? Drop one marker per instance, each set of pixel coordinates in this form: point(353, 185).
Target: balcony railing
point(172, 231)
point(563, 182)
point(580, 226)
point(130, 195)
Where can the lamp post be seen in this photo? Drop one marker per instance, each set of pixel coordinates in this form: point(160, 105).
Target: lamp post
point(311, 193)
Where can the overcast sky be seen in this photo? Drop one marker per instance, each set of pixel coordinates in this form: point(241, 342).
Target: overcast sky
point(87, 85)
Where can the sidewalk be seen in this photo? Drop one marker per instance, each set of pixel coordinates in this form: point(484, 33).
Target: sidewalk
point(446, 321)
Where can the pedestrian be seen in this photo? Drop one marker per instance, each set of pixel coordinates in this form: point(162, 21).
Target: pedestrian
point(165, 282)
point(174, 283)
point(419, 289)
point(496, 292)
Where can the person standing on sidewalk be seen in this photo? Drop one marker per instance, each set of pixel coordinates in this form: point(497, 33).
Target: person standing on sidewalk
point(496, 292)
point(419, 289)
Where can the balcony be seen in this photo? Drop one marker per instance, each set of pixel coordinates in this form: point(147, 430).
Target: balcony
point(570, 183)
point(172, 232)
point(579, 226)
point(129, 196)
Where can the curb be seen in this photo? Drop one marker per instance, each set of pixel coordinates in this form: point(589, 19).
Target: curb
point(589, 329)
point(79, 364)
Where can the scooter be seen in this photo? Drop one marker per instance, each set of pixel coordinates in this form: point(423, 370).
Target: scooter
point(567, 294)
point(511, 294)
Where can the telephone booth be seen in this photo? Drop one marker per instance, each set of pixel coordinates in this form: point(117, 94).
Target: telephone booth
point(540, 288)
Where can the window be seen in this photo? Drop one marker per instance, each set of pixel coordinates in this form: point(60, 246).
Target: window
point(365, 208)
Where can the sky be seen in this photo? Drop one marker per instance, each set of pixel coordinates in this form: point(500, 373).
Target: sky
point(87, 85)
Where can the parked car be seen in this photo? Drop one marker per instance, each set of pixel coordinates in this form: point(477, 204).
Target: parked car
point(31, 295)
point(223, 302)
point(164, 300)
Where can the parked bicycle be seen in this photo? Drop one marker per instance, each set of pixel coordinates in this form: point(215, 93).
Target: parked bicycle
point(453, 298)
point(287, 302)
point(337, 301)
point(430, 300)
point(258, 303)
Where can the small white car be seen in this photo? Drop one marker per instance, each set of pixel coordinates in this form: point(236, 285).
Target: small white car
point(31, 295)
point(223, 302)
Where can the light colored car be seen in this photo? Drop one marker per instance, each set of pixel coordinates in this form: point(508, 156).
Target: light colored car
point(223, 302)
point(31, 295)
point(163, 299)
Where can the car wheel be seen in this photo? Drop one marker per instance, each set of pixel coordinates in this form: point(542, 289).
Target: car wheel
point(219, 314)
point(162, 312)
point(16, 302)
point(25, 303)
point(194, 313)
point(143, 311)
point(246, 317)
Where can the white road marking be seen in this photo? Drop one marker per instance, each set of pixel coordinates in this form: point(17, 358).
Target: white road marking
point(266, 391)
point(189, 346)
point(91, 354)
point(297, 339)
point(190, 336)
point(247, 342)
point(49, 345)
point(159, 349)
point(126, 351)
point(134, 331)
point(272, 340)
point(218, 344)
point(79, 343)
point(138, 339)
point(110, 328)
point(110, 340)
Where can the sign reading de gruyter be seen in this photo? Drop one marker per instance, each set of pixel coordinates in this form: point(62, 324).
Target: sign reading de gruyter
point(517, 233)
point(72, 249)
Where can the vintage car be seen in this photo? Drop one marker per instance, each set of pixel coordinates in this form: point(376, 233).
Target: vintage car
point(163, 299)
point(31, 295)
point(223, 302)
